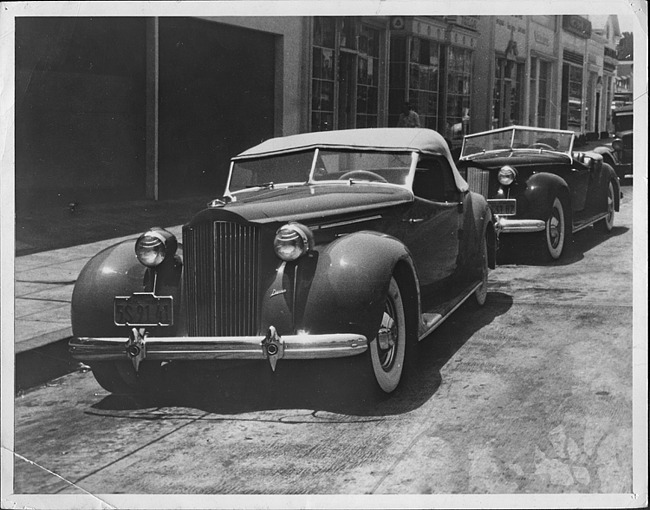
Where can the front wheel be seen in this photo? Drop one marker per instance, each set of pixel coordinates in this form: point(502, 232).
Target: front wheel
point(121, 378)
point(556, 229)
point(388, 349)
point(607, 223)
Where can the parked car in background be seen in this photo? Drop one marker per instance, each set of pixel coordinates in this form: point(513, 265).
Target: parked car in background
point(623, 142)
point(348, 244)
point(536, 183)
point(618, 154)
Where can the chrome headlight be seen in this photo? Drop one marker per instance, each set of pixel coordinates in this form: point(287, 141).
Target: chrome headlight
point(507, 175)
point(154, 246)
point(292, 241)
point(617, 145)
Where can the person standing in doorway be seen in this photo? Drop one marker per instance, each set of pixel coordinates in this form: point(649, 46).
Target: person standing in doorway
point(408, 117)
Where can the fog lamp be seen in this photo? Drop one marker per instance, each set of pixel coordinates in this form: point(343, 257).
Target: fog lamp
point(292, 241)
point(507, 175)
point(154, 246)
point(617, 145)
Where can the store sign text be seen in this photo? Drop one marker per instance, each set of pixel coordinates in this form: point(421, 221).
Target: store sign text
point(577, 25)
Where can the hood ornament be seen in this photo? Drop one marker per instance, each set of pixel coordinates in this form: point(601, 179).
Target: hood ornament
point(220, 202)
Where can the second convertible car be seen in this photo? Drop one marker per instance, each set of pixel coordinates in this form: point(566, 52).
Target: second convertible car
point(536, 183)
point(352, 244)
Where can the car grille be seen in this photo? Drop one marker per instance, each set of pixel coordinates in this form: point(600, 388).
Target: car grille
point(221, 268)
point(478, 181)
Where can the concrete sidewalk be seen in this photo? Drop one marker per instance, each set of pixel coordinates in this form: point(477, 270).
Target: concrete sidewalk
point(43, 290)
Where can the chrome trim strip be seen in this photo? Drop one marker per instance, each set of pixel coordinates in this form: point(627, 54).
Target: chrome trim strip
point(347, 222)
point(335, 345)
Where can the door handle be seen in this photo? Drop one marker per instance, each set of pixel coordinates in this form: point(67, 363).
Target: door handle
point(414, 220)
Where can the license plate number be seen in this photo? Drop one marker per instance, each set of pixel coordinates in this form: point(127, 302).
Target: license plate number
point(503, 207)
point(143, 309)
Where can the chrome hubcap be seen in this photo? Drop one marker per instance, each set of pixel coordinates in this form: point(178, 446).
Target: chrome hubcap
point(555, 226)
point(387, 337)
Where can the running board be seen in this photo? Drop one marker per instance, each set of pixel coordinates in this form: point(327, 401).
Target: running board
point(589, 223)
point(431, 319)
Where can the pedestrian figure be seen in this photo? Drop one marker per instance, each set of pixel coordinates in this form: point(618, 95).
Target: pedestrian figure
point(408, 117)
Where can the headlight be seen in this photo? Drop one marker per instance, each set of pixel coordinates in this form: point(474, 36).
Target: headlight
point(292, 241)
point(507, 175)
point(154, 246)
point(617, 145)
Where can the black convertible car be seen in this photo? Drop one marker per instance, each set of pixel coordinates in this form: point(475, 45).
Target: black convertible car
point(536, 183)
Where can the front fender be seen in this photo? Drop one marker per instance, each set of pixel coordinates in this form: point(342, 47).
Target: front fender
point(482, 216)
point(540, 191)
point(349, 284)
point(116, 271)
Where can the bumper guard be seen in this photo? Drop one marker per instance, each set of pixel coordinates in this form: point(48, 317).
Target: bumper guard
point(505, 225)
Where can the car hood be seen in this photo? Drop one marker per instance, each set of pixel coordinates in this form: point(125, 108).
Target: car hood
point(306, 202)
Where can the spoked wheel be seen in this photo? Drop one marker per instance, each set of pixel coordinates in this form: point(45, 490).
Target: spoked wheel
point(607, 223)
point(481, 293)
point(121, 378)
point(556, 230)
point(388, 349)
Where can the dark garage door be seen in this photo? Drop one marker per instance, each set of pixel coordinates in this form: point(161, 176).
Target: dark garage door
point(216, 99)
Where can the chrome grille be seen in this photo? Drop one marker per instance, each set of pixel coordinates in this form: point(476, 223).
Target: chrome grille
point(478, 180)
point(220, 267)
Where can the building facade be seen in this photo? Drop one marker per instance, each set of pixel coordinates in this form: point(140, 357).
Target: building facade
point(111, 108)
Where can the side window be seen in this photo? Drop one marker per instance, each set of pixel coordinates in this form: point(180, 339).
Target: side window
point(434, 181)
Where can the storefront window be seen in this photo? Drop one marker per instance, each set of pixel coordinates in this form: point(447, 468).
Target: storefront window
point(397, 78)
point(323, 74)
point(507, 99)
point(424, 80)
point(368, 78)
point(575, 98)
point(540, 78)
point(459, 67)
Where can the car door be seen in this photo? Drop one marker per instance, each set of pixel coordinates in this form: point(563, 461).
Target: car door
point(578, 177)
point(434, 222)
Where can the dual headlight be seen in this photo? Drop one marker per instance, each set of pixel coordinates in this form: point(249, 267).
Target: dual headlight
point(292, 241)
point(154, 246)
point(507, 175)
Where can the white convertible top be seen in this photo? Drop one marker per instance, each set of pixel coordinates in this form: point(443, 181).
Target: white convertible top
point(408, 139)
point(400, 139)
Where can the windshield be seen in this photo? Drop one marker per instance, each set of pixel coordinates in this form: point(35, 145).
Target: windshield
point(517, 138)
point(623, 122)
point(321, 165)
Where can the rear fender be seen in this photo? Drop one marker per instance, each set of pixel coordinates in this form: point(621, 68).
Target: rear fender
point(484, 221)
point(116, 271)
point(349, 283)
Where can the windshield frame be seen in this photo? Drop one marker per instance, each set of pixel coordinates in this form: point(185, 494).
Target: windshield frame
point(310, 178)
point(511, 148)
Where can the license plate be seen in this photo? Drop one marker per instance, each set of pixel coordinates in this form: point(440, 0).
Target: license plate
point(143, 309)
point(503, 207)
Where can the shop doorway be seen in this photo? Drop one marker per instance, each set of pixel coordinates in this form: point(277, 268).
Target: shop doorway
point(216, 99)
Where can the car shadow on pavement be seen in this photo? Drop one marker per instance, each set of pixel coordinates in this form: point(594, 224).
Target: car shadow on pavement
point(319, 386)
point(529, 249)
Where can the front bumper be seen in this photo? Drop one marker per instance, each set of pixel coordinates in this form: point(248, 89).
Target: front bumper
point(507, 225)
point(272, 347)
